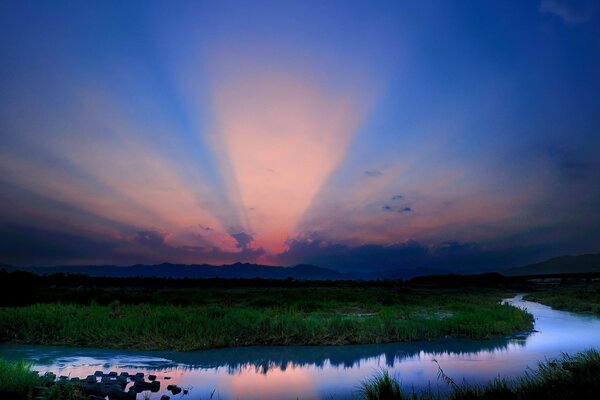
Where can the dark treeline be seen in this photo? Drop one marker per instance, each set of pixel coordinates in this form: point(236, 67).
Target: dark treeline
point(24, 288)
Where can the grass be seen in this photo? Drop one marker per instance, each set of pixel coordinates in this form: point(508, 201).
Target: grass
point(17, 379)
point(569, 377)
point(575, 297)
point(272, 316)
point(64, 391)
point(382, 386)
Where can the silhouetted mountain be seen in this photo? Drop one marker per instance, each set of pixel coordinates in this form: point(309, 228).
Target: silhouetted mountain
point(233, 271)
point(167, 270)
point(586, 263)
point(403, 273)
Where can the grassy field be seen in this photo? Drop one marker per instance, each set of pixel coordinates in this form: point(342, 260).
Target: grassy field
point(570, 377)
point(579, 297)
point(188, 319)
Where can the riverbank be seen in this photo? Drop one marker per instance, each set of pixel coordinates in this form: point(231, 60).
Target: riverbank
point(577, 296)
point(565, 378)
point(19, 381)
point(224, 317)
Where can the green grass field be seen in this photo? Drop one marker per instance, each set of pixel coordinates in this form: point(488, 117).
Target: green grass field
point(278, 316)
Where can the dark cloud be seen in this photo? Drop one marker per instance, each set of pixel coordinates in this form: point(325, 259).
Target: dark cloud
point(397, 197)
point(575, 170)
point(150, 238)
point(28, 245)
point(570, 11)
point(205, 228)
point(373, 173)
point(450, 256)
point(242, 238)
point(388, 208)
point(570, 165)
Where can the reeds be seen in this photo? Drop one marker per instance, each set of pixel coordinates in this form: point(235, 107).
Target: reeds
point(342, 316)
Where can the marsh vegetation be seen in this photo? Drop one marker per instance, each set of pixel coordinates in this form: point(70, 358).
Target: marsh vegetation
point(281, 316)
point(575, 296)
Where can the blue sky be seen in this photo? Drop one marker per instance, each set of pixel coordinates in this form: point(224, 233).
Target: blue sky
point(356, 135)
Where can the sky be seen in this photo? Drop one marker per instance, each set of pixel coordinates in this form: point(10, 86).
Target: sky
point(356, 135)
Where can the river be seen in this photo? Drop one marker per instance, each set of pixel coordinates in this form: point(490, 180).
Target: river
point(315, 372)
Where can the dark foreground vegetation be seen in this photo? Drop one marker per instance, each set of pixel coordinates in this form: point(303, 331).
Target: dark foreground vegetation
point(179, 315)
point(19, 382)
point(569, 377)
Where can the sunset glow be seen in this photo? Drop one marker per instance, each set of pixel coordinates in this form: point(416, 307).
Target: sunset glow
point(284, 133)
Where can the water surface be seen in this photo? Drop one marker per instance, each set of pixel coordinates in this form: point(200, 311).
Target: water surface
point(312, 372)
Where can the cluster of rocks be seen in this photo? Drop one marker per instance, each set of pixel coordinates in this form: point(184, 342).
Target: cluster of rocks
point(112, 385)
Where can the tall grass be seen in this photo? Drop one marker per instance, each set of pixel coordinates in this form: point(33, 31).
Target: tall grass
point(334, 317)
point(19, 382)
point(17, 379)
point(382, 386)
point(64, 391)
point(568, 377)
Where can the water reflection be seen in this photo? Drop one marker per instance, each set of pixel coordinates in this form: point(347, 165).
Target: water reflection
point(262, 359)
point(308, 372)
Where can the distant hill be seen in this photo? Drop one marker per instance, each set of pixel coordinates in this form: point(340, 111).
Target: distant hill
point(232, 271)
point(585, 263)
point(167, 270)
point(403, 273)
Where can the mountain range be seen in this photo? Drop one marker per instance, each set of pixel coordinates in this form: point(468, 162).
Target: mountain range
point(587, 263)
point(231, 271)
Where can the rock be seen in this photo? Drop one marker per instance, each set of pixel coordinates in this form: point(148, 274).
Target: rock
point(98, 373)
point(117, 393)
point(139, 375)
point(151, 377)
point(49, 376)
point(176, 389)
point(165, 397)
point(141, 385)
